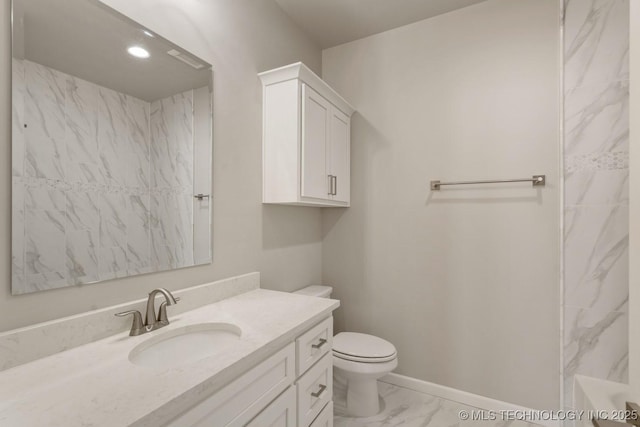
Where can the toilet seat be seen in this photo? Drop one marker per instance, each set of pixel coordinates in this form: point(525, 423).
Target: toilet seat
point(362, 359)
point(362, 348)
point(364, 370)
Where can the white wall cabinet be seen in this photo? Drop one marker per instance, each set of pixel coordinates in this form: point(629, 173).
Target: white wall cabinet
point(306, 140)
point(284, 390)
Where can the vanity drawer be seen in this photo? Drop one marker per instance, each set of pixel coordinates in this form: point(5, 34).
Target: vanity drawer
point(325, 419)
point(244, 398)
point(281, 413)
point(314, 344)
point(315, 389)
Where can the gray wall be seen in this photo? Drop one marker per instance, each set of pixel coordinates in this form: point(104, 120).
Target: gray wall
point(284, 243)
point(464, 282)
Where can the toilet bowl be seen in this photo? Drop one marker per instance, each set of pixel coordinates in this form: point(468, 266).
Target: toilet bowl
point(359, 360)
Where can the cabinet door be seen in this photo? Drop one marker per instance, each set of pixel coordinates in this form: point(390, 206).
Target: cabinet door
point(316, 115)
point(315, 390)
point(340, 150)
point(280, 413)
point(325, 419)
point(313, 344)
point(241, 400)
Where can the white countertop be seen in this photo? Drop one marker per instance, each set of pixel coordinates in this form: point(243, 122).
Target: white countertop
point(97, 385)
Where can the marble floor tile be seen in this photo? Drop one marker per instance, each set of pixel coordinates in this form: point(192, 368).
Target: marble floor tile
point(408, 408)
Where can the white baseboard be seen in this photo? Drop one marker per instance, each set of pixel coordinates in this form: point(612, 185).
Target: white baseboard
point(466, 398)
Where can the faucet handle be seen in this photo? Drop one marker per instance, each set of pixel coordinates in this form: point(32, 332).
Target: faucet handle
point(162, 312)
point(137, 327)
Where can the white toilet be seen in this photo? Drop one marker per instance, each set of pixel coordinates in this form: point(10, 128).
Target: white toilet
point(359, 360)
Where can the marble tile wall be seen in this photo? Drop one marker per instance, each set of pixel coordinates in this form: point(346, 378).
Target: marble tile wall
point(596, 172)
point(172, 181)
point(85, 181)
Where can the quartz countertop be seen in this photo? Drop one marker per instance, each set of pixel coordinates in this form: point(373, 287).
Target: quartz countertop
point(96, 384)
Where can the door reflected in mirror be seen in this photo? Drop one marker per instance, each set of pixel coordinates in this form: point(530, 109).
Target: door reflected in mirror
point(111, 145)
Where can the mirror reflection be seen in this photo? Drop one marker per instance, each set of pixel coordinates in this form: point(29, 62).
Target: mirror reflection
point(111, 150)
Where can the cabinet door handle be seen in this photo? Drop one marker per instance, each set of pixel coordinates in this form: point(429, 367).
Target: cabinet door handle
point(321, 342)
point(335, 185)
point(332, 185)
point(321, 389)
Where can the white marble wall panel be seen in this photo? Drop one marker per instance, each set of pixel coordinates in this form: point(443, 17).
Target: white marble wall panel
point(44, 197)
point(82, 256)
point(45, 91)
point(596, 257)
point(172, 181)
point(113, 263)
point(112, 128)
point(83, 210)
point(590, 187)
point(138, 253)
point(184, 232)
point(113, 225)
point(597, 119)
point(44, 247)
point(114, 208)
point(82, 131)
point(161, 130)
point(596, 173)
point(137, 154)
point(596, 50)
point(183, 143)
point(83, 179)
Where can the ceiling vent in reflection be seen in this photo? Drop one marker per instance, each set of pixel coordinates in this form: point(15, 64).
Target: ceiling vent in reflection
point(186, 59)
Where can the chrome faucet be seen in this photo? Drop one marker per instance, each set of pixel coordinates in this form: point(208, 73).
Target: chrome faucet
point(151, 322)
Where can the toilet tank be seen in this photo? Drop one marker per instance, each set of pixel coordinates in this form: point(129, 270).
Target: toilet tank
point(315, 291)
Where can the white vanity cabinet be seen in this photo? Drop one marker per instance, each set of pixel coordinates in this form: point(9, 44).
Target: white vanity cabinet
point(306, 139)
point(291, 388)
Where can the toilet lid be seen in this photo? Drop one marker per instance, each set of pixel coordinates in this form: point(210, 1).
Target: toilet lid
point(362, 347)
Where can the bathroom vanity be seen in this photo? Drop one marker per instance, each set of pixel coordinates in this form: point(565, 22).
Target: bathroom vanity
point(291, 388)
point(277, 371)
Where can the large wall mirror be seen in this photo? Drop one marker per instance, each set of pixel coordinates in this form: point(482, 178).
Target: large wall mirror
point(111, 150)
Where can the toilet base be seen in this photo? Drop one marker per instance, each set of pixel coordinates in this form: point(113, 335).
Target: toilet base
point(362, 398)
point(357, 392)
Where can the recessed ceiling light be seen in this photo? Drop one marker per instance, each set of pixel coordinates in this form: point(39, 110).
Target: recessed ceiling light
point(138, 52)
point(148, 33)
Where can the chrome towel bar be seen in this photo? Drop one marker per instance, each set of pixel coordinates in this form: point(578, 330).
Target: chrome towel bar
point(536, 180)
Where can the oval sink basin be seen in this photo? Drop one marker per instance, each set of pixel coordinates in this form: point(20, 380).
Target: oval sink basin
point(185, 345)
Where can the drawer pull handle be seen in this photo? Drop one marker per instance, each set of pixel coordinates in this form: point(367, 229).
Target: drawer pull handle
point(321, 389)
point(321, 342)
